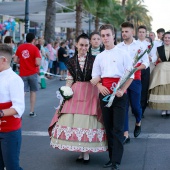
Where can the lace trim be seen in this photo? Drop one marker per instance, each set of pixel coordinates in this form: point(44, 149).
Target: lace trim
point(79, 133)
point(78, 148)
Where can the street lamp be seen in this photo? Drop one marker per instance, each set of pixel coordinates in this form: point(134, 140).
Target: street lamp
point(26, 16)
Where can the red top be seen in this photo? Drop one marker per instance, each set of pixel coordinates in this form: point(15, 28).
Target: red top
point(107, 82)
point(9, 123)
point(27, 54)
point(137, 75)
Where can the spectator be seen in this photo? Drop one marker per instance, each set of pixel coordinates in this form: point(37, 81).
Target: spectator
point(28, 56)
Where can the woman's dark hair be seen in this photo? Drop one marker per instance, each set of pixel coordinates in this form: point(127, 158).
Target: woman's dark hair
point(83, 35)
point(165, 34)
point(94, 33)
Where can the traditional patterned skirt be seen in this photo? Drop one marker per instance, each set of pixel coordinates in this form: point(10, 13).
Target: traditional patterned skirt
point(79, 127)
point(159, 90)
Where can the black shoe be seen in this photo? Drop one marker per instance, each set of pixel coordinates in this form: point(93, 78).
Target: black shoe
point(137, 131)
point(164, 116)
point(126, 140)
point(115, 167)
point(107, 165)
point(79, 159)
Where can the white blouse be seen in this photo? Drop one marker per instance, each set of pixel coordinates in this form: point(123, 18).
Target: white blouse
point(111, 63)
point(12, 90)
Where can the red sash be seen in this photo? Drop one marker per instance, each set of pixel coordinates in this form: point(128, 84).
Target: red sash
point(9, 123)
point(107, 82)
point(137, 75)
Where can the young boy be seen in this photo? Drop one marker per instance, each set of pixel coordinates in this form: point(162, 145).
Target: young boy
point(12, 105)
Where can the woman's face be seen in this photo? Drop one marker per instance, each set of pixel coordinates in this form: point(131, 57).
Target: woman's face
point(95, 41)
point(82, 46)
point(167, 39)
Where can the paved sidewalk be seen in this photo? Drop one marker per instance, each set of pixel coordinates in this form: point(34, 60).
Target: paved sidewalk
point(150, 151)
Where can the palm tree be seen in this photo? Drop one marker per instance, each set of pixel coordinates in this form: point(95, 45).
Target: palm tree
point(99, 9)
point(78, 4)
point(135, 11)
point(49, 33)
point(116, 16)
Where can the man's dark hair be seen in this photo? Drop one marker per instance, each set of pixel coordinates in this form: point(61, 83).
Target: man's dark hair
point(107, 26)
point(94, 33)
point(8, 40)
point(83, 35)
point(63, 42)
point(30, 37)
point(127, 25)
point(160, 30)
point(142, 27)
point(6, 51)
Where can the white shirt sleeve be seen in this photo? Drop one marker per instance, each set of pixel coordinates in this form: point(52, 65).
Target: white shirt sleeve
point(128, 63)
point(96, 71)
point(153, 54)
point(16, 89)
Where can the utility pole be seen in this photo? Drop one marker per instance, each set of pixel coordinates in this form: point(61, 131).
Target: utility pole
point(26, 16)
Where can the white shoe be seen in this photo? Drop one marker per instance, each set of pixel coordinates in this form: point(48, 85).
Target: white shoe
point(163, 112)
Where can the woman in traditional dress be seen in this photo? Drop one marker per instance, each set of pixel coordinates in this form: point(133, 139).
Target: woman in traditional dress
point(159, 98)
point(79, 128)
point(95, 44)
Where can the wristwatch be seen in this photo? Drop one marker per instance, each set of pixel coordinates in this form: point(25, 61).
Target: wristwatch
point(1, 113)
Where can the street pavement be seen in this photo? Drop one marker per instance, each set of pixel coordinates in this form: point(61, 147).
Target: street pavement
point(150, 151)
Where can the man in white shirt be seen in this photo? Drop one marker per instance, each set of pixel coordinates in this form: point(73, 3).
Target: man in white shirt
point(160, 32)
point(110, 65)
point(145, 73)
point(132, 47)
point(12, 105)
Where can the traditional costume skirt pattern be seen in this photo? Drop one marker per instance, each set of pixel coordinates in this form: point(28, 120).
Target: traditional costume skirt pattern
point(79, 127)
point(159, 90)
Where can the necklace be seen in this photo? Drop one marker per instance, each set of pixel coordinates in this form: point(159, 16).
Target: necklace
point(85, 66)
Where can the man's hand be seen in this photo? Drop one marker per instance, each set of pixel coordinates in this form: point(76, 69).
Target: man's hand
point(103, 90)
point(94, 81)
point(119, 93)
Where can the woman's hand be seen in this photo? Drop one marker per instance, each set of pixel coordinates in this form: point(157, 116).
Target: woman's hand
point(94, 81)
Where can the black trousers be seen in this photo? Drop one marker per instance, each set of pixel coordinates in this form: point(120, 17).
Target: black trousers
point(145, 77)
point(114, 118)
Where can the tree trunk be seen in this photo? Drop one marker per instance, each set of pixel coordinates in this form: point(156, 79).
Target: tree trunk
point(79, 17)
point(50, 18)
point(123, 5)
point(69, 31)
point(96, 24)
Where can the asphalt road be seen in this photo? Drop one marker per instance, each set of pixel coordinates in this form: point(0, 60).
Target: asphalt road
point(150, 151)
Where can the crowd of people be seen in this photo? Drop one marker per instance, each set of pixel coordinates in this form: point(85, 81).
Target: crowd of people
point(91, 67)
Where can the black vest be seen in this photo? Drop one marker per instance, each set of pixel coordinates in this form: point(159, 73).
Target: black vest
point(161, 52)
